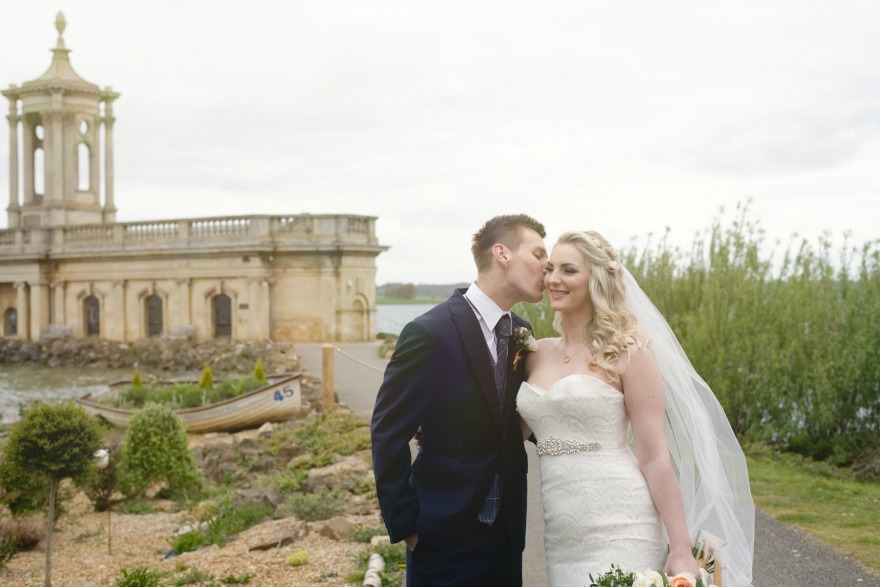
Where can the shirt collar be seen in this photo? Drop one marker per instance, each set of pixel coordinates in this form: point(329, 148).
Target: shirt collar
point(485, 307)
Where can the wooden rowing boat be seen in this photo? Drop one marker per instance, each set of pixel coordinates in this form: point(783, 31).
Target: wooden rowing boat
point(278, 401)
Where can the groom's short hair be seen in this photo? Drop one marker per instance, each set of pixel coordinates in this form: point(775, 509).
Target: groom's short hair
point(504, 230)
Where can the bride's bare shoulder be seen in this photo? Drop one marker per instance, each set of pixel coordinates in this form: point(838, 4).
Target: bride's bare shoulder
point(548, 342)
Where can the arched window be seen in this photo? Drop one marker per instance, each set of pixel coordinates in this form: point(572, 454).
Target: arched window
point(39, 173)
point(92, 313)
point(222, 311)
point(83, 168)
point(153, 311)
point(10, 322)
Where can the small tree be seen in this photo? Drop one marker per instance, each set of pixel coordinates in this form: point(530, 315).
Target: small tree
point(57, 442)
point(156, 450)
point(259, 370)
point(136, 379)
point(206, 381)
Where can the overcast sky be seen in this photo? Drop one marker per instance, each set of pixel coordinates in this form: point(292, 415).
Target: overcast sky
point(623, 117)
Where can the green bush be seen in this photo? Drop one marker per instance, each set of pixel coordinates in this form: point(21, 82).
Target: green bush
point(236, 579)
point(193, 577)
point(188, 541)
point(156, 451)
point(298, 558)
point(206, 381)
point(138, 577)
point(22, 491)
point(361, 533)
point(259, 370)
point(313, 507)
point(101, 485)
point(53, 442)
point(224, 522)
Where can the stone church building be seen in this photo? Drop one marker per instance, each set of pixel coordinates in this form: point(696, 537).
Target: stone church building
point(68, 268)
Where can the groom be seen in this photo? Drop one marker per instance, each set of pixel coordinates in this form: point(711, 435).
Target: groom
point(461, 505)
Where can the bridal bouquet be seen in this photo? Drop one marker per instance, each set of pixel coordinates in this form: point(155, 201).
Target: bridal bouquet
point(616, 577)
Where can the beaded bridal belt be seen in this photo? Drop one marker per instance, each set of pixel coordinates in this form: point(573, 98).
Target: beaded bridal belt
point(557, 446)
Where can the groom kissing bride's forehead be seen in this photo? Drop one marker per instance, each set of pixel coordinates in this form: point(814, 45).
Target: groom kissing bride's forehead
point(461, 504)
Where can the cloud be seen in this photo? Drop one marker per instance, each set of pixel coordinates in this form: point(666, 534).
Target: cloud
point(622, 117)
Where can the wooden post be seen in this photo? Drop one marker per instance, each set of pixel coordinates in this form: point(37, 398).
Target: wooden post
point(329, 386)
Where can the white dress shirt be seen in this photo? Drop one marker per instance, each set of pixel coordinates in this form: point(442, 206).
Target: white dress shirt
point(488, 314)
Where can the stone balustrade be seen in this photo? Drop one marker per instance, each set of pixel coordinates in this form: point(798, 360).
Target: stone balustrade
point(308, 230)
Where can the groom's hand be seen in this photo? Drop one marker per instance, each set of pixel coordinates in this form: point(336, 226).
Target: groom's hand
point(411, 541)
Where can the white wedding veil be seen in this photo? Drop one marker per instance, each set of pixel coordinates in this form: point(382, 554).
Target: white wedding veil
point(710, 464)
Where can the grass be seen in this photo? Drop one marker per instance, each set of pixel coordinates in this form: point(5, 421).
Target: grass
point(823, 501)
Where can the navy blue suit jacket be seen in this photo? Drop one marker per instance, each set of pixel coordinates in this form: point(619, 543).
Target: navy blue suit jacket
point(440, 378)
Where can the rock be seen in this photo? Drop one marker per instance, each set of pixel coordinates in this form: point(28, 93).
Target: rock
point(274, 534)
point(337, 528)
point(340, 475)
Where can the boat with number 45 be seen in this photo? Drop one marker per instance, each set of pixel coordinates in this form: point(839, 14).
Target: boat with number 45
point(279, 400)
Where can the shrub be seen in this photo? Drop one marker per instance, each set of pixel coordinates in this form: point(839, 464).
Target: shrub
point(155, 450)
point(236, 579)
point(188, 542)
point(138, 577)
point(22, 491)
point(19, 535)
point(136, 379)
point(259, 370)
point(206, 381)
point(361, 533)
point(225, 521)
point(194, 576)
point(56, 442)
point(298, 558)
point(101, 485)
point(313, 507)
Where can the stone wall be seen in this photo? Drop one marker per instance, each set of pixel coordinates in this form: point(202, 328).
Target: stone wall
point(154, 354)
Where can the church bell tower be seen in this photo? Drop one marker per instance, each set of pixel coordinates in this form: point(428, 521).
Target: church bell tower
point(60, 116)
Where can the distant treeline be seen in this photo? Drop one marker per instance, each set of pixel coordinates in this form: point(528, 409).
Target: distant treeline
point(790, 344)
point(411, 291)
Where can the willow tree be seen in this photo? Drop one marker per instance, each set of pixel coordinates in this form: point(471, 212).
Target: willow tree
point(56, 442)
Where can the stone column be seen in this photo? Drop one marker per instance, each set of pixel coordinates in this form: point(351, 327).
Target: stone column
point(24, 318)
point(183, 290)
point(116, 316)
point(28, 140)
point(266, 309)
point(54, 153)
point(60, 313)
point(254, 309)
point(109, 119)
point(39, 309)
point(14, 211)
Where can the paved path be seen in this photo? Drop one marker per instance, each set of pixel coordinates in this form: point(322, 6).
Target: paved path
point(784, 557)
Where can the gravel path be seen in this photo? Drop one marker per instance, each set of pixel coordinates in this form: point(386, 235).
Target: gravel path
point(784, 556)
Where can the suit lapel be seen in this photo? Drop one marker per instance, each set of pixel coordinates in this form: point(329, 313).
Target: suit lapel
point(472, 338)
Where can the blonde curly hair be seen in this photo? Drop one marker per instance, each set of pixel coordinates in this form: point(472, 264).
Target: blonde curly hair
point(613, 327)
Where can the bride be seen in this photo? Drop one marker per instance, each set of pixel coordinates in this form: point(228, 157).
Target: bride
point(638, 500)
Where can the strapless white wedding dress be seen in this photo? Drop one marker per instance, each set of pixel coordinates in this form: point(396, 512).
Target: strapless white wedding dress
point(597, 508)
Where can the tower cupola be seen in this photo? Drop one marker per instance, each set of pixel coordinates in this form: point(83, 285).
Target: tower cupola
point(60, 115)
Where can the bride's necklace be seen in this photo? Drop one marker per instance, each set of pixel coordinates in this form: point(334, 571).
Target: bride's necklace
point(566, 358)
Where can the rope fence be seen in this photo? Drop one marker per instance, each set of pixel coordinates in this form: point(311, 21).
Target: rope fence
point(328, 372)
point(358, 361)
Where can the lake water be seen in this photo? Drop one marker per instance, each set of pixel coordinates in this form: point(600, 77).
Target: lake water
point(391, 318)
point(21, 385)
